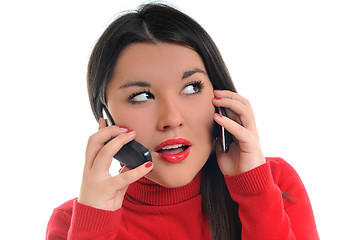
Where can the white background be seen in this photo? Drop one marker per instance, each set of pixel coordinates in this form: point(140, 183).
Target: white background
point(298, 62)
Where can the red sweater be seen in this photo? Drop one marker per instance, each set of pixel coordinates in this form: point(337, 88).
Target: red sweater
point(151, 211)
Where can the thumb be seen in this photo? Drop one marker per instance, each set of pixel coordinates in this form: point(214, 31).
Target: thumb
point(128, 176)
point(124, 169)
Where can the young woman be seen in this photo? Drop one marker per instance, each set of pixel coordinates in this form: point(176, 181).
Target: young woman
point(161, 77)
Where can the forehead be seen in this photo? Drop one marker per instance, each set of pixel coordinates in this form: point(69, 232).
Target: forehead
point(156, 60)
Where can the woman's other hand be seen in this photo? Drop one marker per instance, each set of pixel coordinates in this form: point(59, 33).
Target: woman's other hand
point(99, 189)
point(245, 152)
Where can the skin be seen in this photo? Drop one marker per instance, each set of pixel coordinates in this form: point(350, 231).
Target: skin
point(177, 110)
point(169, 103)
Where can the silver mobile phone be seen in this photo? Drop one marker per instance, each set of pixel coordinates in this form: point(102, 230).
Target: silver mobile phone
point(222, 135)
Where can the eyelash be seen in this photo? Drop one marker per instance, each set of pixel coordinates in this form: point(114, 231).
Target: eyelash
point(133, 95)
point(197, 85)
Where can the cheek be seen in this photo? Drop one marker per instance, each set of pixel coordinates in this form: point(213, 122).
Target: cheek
point(201, 116)
point(140, 121)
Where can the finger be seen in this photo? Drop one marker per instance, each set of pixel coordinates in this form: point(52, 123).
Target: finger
point(249, 122)
point(124, 169)
point(102, 123)
point(233, 95)
point(104, 157)
point(237, 130)
point(96, 143)
point(242, 114)
point(132, 175)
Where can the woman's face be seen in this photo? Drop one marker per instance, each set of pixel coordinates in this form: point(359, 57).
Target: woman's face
point(163, 92)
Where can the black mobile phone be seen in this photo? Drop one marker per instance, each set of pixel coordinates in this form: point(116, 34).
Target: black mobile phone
point(132, 154)
point(221, 134)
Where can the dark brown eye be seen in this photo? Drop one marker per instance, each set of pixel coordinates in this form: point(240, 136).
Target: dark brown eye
point(193, 88)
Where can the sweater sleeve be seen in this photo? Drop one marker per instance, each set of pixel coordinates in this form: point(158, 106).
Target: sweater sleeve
point(82, 222)
point(273, 203)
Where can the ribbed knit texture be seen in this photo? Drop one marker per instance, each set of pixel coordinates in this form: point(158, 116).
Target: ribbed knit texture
point(251, 182)
point(146, 192)
point(97, 220)
point(151, 211)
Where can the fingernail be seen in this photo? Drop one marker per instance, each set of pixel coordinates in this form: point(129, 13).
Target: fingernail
point(130, 132)
point(149, 164)
point(217, 90)
point(218, 115)
point(100, 120)
point(123, 128)
point(217, 98)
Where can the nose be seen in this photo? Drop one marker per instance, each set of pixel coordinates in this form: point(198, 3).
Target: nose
point(169, 115)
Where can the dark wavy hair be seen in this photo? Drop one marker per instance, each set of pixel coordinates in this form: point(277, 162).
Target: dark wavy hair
point(153, 23)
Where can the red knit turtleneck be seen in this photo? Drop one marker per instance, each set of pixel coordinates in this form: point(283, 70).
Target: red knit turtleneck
point(151, 211)
point(147, 192)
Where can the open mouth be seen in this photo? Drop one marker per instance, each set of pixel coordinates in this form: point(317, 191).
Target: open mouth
point(174, 150)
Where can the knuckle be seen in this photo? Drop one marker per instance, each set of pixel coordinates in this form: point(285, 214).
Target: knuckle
point(247, 112)
point(239, 128)
point(126, 178)
point(235, 104)
point(131, 176)
point(246, 102)
point(114, 128)
point(117, 143)
point(106, 152)
point(228, 92)
point(123, 178)
point(91, 139)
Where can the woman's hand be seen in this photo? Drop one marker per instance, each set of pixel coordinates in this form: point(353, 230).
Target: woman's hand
point(245, 152)
point(99, 189)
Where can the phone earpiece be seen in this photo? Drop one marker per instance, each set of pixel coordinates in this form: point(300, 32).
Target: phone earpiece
point(107, 116)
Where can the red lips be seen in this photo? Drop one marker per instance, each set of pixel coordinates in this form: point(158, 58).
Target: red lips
point(174, 150)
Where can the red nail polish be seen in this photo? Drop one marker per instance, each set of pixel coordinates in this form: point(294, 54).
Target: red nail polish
point(217, 98)
point(218, 115)
point(149, 164)
point(217, 90)
point(130, 131)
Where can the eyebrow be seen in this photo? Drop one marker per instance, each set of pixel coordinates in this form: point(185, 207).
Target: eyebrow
point(135, 84)
point(185, 75)
point(189, 73)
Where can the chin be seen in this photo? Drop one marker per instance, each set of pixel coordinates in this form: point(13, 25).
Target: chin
point(171, 179)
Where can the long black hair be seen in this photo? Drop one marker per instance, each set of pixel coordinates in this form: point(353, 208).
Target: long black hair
point(154, 23)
